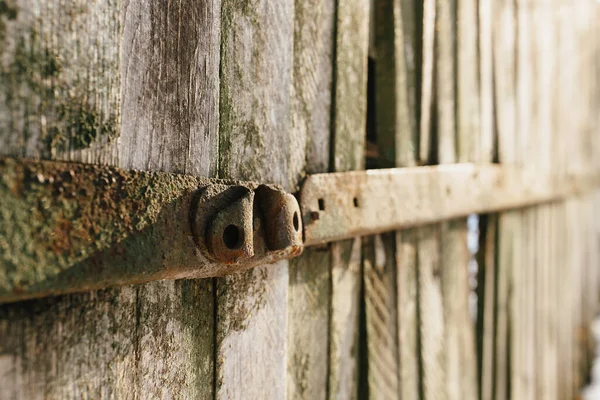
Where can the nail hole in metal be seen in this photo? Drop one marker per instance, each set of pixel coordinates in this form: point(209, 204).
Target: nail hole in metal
point(296, 222)
point(232, 237)
point(355, 202)
point(322, 204)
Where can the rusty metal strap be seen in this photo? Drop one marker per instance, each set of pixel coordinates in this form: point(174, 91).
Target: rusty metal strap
point(68, 227)
point(337, 206)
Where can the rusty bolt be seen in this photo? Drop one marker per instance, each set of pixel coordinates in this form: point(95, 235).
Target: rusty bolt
point(281, 215)
point(235, 224)
point(230, 234)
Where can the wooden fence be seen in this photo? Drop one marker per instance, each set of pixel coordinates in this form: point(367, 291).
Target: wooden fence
point(272, 91)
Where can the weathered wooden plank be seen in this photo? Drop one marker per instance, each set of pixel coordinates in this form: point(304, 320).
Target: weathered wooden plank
point(504, 55)
point(486, 297)
point(312, 87)
point(66, 93)
point(486, 82)
point(60, 80)
point(175, 75)
point(431, 311)
point(408, 322)
point(427, 81)
point(461, 361)
point(348, 146)
point(350, 77)
point(308, 323)
point(444, 78)
point(395, 84)
point(389, 375)
point(460, 364)
point(256, 40)
point(467, 82)
point(310, 277)
point(397, 139)
point(345, 301)
point(380, 309)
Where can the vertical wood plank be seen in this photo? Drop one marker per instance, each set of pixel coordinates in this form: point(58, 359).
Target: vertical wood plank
point(308, 321)
point(467, 81)
point(380, 309)
point(179, 135)
point(396, 92)
point(395, 84)
point(345, 299)
point(504, 42)
point(459, 346)
point(397, 139)
point(486, 142)
point(350, 75)
point(431, 311)
point(486, 299)
point(427, 80)
point(60, 81)
point(309, 277)
point(312, 86)
point(408, 322)
point(432, 327)
point(349, 113)
point(151, 340)
point(461, 361)
point(486, 19)
point(254, 144)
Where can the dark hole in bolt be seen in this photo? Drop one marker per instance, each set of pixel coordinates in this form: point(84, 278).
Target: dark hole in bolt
point(232, 237)
point(321, 204)
point(355, 202)
point(296, 222)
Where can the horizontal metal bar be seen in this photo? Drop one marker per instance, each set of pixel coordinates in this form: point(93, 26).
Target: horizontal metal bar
point(72, 227)
point(338, 206)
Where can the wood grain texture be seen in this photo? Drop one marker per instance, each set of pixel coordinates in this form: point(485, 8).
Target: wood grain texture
point(486, 18)
point(151, 340)
point(486, 298)
point(254, 143)
point(461, 362)
point(348, 147)
point(445, 83)
point(432, 329)
point(408, 322)
point(395, 84)
point(504, 56)
point(350, 87)
point(312, 86)
point(308, 324)
point(396, 101)
point(134, 341)
point(60, 80)
point(467, 82)
point(381, 312)
point(170, 86)
point(345, 302)
point(431, 311)
point(487, 293)
point(427, 81)
point(309, 294)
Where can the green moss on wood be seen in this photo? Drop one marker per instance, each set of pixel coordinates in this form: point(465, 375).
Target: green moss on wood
point(56, 215)
point(44, 95)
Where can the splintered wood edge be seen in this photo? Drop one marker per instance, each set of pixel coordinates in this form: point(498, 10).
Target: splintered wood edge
point(343, 205)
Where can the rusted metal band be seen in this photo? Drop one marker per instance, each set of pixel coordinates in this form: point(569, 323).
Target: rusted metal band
point(73, 227)
point(67, 227)
point(338, 206)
